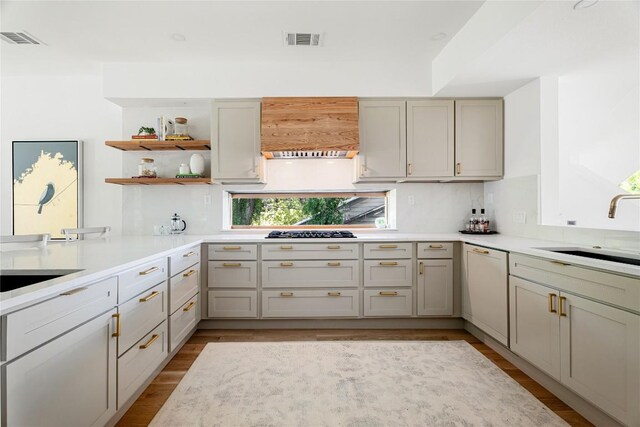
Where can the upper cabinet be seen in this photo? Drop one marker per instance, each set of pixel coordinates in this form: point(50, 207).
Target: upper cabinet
point(479, 138)
point(430, 142)
point(235, 142)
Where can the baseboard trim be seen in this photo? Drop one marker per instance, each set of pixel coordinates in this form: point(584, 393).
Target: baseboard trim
point(413, 323)
point(583, 407)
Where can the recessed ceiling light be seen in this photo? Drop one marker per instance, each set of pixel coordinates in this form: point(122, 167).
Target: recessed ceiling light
point(439, 36)
point(178, 37)
point(584, 4)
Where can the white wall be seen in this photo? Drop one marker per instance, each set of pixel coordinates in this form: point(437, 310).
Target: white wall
point(64, 107)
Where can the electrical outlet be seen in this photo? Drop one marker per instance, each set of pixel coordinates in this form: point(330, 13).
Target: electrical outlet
point(489, 198)
point(520, 217)
point(411, 200)
point(207, 199)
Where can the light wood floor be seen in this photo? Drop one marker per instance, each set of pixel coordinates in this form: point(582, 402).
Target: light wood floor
point(149, 403)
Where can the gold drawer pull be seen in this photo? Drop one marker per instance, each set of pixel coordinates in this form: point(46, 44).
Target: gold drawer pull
point(286, 294)
point(458, 168)
point(286, 247)
point(151, 296)
point(149, 271)
point(231, 248)
point(388, 246)
point(421, 269)
point(333, 264)
point(333, 247)
point(561, 311)
point(190, 306)
point(560, 262)
point(73, 291)
point(188, 254)
point(189, 273)
point(409, 169)
point(436, 247)
point(286, 264)
point(232, 264)
point(333, 294)
point(480, 251)
point(117, 332)
point(388, 294)
point(387, 263)
point(552, 298)
point(151, 341)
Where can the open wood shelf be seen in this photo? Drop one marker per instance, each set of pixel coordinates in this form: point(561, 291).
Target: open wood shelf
point(158, 181)
point(155, 145)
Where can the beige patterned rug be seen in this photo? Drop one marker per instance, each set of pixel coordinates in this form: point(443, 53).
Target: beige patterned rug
point(381, 383)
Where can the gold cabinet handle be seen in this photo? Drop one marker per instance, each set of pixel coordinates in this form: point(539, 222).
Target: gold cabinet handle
point(190, 306)
point(189, 273)
point(409, 169)
point(286, 247)
point(458, 168)
point(363, 169)
point(436, 247)
point(480, 251)
point(333, 294)
point(232, 264)
point(286, 294)
point(421, 269)
point(388, 246)
point(333, 247)
point(153, 339)
point(334, 264)
point(286, 264)
point(148, 271)
point(387, 263)
point(559, 262)
point(561, 311)
point(73, 291)
point(117, 332)
point(231, 248)
point(188, 254)
point(151, 296)
point(552, 300)
point(388, 294)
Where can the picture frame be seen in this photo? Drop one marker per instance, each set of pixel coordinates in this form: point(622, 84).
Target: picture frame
point(47, 186)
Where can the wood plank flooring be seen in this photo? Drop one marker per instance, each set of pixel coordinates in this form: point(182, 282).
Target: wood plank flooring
point(149, 403)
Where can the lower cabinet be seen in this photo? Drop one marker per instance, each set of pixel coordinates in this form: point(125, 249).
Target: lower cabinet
point(302, 303)
point(141, 314)
point(230, 304)
point(183, 321)
point(49, 376)
point(388, 302)
point(435, 287)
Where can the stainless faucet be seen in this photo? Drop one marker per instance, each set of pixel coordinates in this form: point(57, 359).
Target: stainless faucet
point(614, 202)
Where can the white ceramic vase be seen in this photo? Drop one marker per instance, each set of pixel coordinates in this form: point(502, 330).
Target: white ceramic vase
point(197, 164)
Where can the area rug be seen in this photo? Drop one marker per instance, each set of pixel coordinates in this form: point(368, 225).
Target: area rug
point(360, 384)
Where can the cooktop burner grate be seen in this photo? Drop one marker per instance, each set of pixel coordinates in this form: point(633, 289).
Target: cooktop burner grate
point(310, 234)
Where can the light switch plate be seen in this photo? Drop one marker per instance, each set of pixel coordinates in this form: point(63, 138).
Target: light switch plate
point(411, 200)
point(520, 217)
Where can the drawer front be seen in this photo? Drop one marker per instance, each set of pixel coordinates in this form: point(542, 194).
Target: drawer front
point(183, 321)
point(388, 273)
point(137, 364)
point(310, 274)
point(435, 250)
point(183, 286)
point(233, 274)
point(286, 251)
point(233, 251)
point(139, 279)
point(233, 304)
point(141, 314)
point(295, 303)
point(388, 302)
point(28, 328)
point(388, 250)
point(184, 259)
point(607, 287)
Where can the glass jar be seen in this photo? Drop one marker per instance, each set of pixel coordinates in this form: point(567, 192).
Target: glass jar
point(181, 126)
point(147, 169)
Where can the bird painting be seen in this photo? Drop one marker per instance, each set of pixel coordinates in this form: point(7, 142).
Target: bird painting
point(46, 196)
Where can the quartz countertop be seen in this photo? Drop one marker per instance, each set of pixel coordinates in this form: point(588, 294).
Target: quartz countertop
point(101, 258)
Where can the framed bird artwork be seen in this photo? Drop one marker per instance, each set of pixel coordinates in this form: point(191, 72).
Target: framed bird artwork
point(47, 186)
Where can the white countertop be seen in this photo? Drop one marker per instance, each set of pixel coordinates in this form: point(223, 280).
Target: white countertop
point(103, 257)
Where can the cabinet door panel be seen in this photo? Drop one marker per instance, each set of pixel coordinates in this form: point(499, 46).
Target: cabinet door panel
point(430, 142)
point(479, 138)
point(435, 287)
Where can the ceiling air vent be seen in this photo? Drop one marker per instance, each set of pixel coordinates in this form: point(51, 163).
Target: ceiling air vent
point(302, 39)
point(19, 38)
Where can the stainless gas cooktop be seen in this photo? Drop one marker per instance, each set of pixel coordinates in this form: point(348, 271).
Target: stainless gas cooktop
point(311, 234)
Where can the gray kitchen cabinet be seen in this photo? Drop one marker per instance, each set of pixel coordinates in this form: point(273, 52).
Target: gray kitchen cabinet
point(430, 138)
point(435, 287)
point(478, 138)
point(383, 147)
point(235, 142)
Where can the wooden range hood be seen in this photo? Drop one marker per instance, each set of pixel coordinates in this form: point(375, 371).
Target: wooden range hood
point(317, 127)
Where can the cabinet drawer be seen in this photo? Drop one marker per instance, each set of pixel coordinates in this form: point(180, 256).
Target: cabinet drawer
point(183, 321)
point(35, 325)
point(139, 363)
point(183, 286)
point(295, 303)
point(607, 287)
point(391, 302)
point(436, 250)
point(141, 278)
point(184, 259)
point(141, 314)
point(227, 274)
point(310, 274)
point(310, 251)
point(232, 251)
point(388, 250)
point(388, 273)
point(235, 304)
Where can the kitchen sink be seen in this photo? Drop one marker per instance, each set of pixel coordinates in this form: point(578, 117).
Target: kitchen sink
point(16, 279)
point(597, 254)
